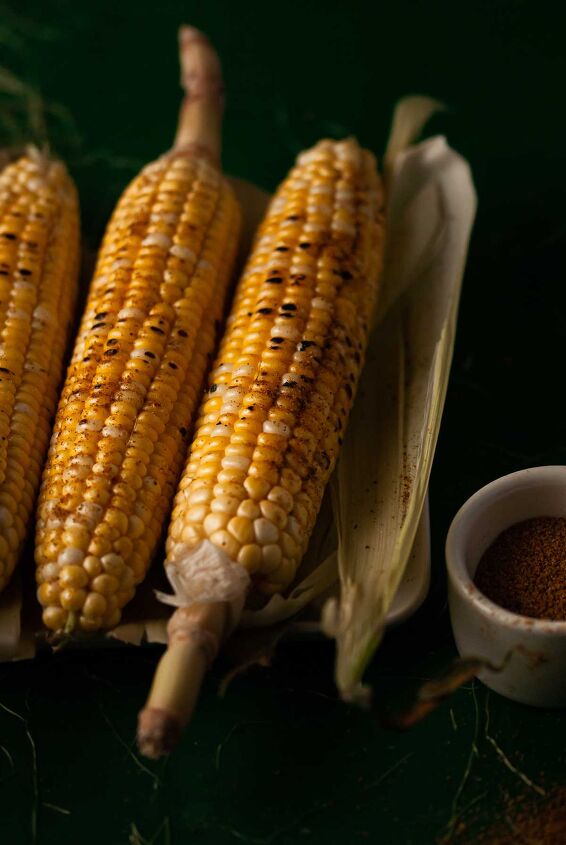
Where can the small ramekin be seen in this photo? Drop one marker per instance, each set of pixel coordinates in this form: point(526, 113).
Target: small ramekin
point(530, 652)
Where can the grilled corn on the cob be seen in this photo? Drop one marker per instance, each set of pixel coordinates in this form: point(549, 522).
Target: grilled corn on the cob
point(273, 419)
point(283, 384)
point(139, 361)
point(39, 251)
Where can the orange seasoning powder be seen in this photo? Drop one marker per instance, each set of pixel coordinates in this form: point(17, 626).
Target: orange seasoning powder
point(524, 570)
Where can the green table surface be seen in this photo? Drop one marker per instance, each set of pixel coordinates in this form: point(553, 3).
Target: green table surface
point(280, 759)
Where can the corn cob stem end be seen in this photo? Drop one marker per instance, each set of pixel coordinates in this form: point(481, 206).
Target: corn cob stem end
point(159, 731)
point(195, 634)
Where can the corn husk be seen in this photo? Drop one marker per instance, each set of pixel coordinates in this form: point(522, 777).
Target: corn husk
point(432, 206)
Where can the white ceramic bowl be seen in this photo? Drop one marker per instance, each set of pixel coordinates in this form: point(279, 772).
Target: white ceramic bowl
point(531, 651)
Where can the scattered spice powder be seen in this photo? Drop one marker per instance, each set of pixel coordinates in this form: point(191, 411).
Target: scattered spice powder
point(533, 823)
point(520, 820)
point(524, 570)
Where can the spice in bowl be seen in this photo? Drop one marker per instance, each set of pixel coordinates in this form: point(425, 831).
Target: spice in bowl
point(524, 569)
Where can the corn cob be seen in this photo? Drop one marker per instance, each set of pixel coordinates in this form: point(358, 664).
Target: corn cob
point(278, 401)
point(39, 252)
point(140, 357)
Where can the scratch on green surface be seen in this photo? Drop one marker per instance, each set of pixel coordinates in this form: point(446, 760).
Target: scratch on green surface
point(456, 810)
point(35, 783)
point(8, 756)
point(453, 719)
point(504, 758)
point(384, 775)
point(135, 759)
point(56, 808)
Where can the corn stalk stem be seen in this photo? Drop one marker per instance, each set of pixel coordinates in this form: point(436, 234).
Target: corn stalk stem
point(200, 116)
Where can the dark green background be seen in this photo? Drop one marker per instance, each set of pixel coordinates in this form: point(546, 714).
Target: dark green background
point(279, 760)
